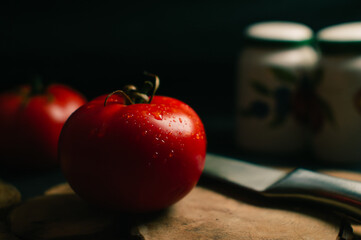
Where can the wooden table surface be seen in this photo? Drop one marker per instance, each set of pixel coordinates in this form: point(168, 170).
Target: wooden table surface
point(210, 211)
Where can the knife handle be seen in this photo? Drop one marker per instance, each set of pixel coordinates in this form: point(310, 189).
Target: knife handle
point(340, 194)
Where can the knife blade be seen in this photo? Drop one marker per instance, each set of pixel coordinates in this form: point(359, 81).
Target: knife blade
point(341, 195)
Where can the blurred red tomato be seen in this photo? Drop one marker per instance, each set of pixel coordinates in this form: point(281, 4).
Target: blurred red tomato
point(137, 157)
point(30, 124)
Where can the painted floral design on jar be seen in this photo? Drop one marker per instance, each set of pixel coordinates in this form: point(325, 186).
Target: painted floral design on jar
point(296, 97)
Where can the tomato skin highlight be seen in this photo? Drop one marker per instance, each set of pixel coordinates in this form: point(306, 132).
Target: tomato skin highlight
point(135, 158)
point(30, 125)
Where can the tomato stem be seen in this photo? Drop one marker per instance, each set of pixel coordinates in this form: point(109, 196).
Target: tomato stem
point(121, 92)
point(133, 96)
point(155, 85)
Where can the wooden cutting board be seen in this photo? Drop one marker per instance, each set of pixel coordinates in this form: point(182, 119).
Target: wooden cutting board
point(210, 211)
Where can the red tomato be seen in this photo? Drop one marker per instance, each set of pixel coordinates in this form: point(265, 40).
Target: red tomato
point(136, 158)
point(30, 124)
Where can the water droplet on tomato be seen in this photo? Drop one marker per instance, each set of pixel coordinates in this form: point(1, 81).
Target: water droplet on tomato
point(158, 115)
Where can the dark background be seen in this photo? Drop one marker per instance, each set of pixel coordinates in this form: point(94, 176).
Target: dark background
point(99, 46)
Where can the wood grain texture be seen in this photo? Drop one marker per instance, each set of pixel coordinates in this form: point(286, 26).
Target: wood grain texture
point(210, 211)
point(9, 195)
point(207, 214)
point(62, 188)
point(58, 217)
point(9, 198)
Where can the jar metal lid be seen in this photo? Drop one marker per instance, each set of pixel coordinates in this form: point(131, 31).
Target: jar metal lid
point(279, 33)
point(340, 38)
